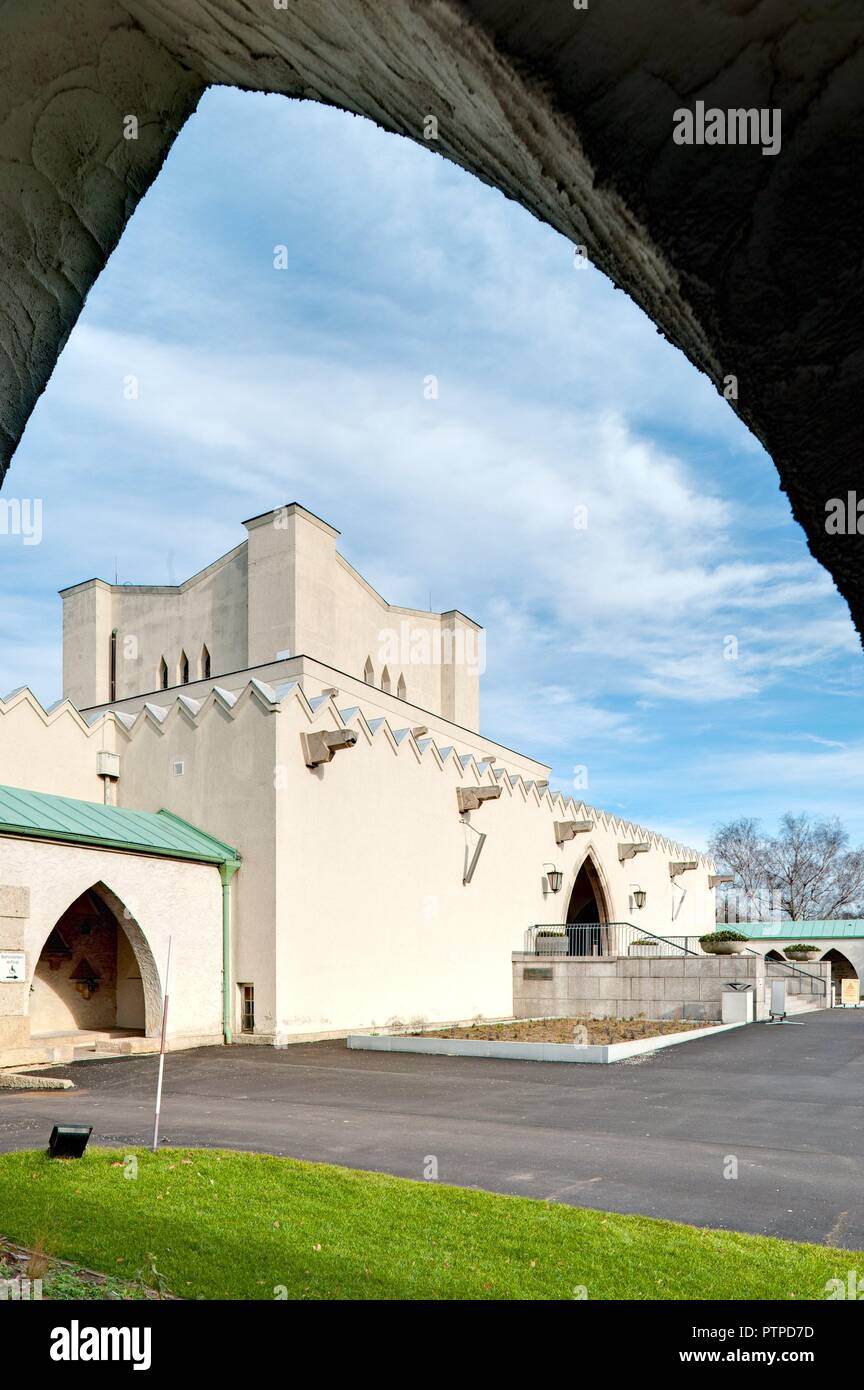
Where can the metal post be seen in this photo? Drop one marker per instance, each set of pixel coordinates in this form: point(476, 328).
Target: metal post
point(162, 1051)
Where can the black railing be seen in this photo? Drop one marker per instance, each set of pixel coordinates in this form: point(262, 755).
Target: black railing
point(795, 969)
point(587, 939)
point(600, 939)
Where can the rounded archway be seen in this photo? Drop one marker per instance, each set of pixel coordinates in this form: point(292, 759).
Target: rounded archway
point(95, 972)
point(841, 968)
point(774, 955)
point(587, 912)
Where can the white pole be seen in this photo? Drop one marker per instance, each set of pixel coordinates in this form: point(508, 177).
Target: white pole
point(162, 1052)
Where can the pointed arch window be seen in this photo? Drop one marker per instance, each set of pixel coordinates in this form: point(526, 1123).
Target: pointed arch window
point(401, 687)
point(184, 669)
point(385, 681)
point(163, 674)
point(369, 672)
point(205, 664)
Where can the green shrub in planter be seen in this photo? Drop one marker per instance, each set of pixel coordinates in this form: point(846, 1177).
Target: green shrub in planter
point(724, 943)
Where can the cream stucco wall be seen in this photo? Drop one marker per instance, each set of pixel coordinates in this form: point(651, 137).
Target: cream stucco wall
point(52, 751)
point(315, 678)
point(226, 788)
point(374, 919)
point(350, 906)
point(153, 622)
point(286, 589)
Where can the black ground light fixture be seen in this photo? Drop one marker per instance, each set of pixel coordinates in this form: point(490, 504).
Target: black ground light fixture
point(68, 1141)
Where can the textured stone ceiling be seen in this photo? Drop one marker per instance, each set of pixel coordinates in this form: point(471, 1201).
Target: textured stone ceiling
point(750, 263)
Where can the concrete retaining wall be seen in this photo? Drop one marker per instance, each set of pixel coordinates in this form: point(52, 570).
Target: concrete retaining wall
point(663, 988)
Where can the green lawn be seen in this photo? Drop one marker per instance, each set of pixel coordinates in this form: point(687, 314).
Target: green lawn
point(217, 1224)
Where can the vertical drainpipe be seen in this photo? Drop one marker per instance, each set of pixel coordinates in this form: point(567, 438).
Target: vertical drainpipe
point(227, 870)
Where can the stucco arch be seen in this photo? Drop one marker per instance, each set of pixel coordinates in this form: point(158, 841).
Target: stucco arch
point(569, 111)
point(150, 982)
point(591, 863)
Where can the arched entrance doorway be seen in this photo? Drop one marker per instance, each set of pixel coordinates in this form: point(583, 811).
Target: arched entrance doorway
point(841, 969)
point(587, 913)
point(95, 972)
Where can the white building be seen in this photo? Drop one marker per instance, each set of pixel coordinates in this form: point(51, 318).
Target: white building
point(284, 774)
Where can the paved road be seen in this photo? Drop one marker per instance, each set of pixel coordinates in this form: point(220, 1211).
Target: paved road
point(649, 1136)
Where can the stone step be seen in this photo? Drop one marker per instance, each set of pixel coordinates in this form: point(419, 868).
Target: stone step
point(126, 1047)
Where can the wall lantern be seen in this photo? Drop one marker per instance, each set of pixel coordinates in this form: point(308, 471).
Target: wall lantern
point(554, 878)
point(86, 978)
point(639, 896)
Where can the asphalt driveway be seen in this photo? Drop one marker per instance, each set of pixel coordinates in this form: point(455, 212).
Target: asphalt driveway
point(783, 1107)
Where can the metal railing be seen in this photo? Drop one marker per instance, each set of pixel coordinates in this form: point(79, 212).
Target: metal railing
point(796, 970)
point(587, 939)
point(600, 939)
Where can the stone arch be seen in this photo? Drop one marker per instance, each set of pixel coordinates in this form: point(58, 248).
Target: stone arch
point(204, 665)
point(841, 966)
point(514, 103)
point(774, 955)
point(385, 681)
point(401, 687)
point(183, 669)
point(163, 673)
point(124, 922)
point(369, 672)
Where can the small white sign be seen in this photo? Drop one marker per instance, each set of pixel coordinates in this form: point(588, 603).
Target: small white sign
point(13, 967)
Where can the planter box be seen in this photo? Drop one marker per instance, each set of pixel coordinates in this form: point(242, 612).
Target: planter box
point(802, 956)
point(724, 948)
point(527, 1051)
point(551, 944)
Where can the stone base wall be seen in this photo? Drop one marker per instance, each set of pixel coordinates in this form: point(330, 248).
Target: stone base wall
point(680, 987)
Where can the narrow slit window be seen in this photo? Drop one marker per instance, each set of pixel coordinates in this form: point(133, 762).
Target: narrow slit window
point(247, 1008)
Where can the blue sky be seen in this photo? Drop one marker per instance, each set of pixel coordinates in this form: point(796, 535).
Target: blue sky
point(608, 643)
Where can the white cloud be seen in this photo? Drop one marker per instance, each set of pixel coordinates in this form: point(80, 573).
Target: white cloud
point(260, 387)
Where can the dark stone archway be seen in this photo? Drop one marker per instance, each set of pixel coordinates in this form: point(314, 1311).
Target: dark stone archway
point(587, 901)
point(749, 263)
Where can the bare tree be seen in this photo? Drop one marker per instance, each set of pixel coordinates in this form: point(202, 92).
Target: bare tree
point(805, 872)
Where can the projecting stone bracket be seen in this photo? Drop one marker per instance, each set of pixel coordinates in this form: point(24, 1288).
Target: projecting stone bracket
point(471, 798)
point(319, 747)
point(569, 829)
point(680, 866)
point(629, 851)
point(714, 880)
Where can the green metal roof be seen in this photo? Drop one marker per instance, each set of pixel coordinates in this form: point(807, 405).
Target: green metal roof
point(37, 815)
point(799, 931)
